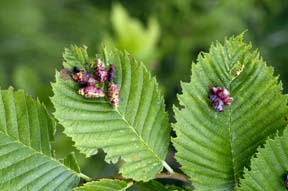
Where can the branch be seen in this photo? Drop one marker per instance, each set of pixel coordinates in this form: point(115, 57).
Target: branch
point(174, 176)
point(85, 177)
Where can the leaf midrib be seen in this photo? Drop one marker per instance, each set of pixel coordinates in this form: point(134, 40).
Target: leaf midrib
point(122, 116)
point(230, 133)
point(139, 136)
point(230, 67)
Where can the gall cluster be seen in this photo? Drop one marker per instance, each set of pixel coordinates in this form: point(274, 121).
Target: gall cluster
point(92, 84)
point(219, 97)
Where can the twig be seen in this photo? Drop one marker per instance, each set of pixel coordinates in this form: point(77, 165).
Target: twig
point(167, 167)
point(174, 176)
point(85, 177)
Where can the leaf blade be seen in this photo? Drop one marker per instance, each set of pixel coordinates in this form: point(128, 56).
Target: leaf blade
point(25, 152)
point(104, 185)
point(130, 131)
point(214, 152)
point(268, 169)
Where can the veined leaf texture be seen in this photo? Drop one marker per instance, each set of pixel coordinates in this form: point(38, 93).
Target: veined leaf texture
point(213, 147)
point(137, 131)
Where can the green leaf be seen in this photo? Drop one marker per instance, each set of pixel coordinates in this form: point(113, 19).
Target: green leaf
point(131, 35)
point(77, 56)
point(105, 185)
point(268, 169)
point(26, 159)
point(214, 147)
point(70, 161)
point(137, 131)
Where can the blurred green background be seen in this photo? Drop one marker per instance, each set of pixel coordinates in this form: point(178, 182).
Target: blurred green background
point(166, 34)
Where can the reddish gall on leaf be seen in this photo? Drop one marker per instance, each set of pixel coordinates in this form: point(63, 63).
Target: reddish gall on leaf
point(81, 77)
point(91, 92)
point(100, 71)
point(91, 82)
point(76, 69)
point(216, 103)
point(111, 72)
point(113, 94)
point(219, 97)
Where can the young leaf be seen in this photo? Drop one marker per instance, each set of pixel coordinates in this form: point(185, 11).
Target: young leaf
point(132, 36)
point(105, 185)
point(137, 131)
point(213, 147)
point(70, 161)
point(269, 169)
point(26, 159)
point(77, 56)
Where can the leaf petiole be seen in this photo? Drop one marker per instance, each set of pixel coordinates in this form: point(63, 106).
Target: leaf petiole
point(85, 177)
point(167, 167)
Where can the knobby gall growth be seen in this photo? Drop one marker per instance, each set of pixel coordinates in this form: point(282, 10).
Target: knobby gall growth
point(111, 73)
point(91, 92)
point(113, 94)
point(219, 97)
point(100, 71)
point(92, 85)
point(80, 76)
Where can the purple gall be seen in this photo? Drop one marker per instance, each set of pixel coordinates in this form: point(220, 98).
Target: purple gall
point(76, 69)
point(111, 73)
point(113, 94)
point(91, 92)
point(81, 77)
point(91, 82)
point(100, 71)
point(219, 97)
point(216, 103)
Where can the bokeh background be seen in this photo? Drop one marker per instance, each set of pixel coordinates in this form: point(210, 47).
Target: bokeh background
point(166, 35)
